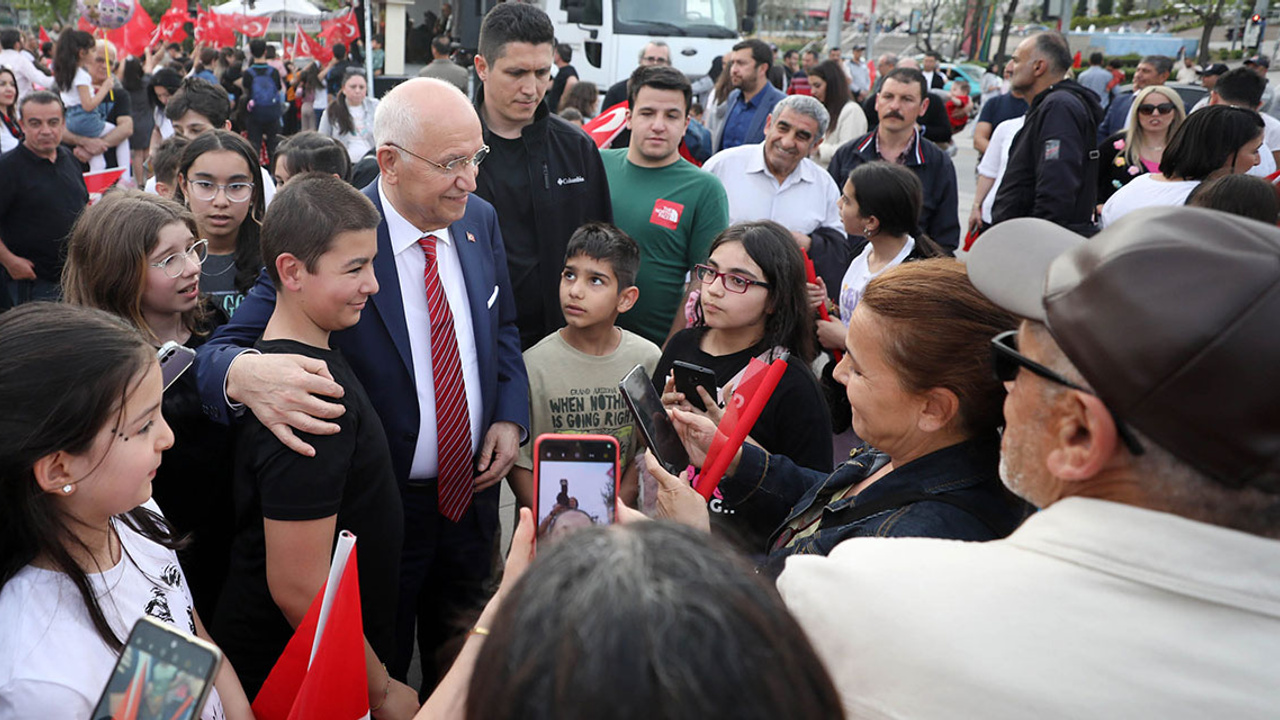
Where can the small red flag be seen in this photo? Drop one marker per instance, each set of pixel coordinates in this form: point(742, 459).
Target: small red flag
point(604, 127)
point(340, 28)
point(44, 35)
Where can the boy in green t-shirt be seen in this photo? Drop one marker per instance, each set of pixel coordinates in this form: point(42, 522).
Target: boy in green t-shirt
point(574, 372)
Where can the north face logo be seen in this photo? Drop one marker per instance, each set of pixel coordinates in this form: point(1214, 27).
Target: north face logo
point(666, 214)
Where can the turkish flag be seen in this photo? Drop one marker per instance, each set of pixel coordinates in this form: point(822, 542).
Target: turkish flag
point(135, 36)
point(44, 35)
point(212, 31)
point(604, 127)
point(322, 670)
point(307, 46)
point(247, 25)
point(341, 28)
point(750, 396)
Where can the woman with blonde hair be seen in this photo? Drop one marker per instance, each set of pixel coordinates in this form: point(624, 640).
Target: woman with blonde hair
point(1156, 113)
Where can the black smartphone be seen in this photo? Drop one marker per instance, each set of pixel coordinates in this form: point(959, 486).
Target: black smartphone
point(575, 483)
point(689, 378)
point(659, 434)
point(174, 360)
point(162, 672)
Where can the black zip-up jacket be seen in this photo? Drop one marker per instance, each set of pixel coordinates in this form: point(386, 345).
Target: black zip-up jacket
point(569, 188)
point(1053, 162)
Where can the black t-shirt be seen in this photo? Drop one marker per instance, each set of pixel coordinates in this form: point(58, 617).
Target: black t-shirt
point(557, 86)
point(507, 167)
point(795, 423)
point(193, 484)
point(122, 106)
point(1001, 108)
point(39, 202)
point(350, 477)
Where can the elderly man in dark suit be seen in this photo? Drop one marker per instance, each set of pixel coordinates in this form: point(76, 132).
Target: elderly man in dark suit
point(437, 350)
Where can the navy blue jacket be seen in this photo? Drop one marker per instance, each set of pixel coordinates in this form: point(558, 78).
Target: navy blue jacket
point(968, 473)
point(768, 97)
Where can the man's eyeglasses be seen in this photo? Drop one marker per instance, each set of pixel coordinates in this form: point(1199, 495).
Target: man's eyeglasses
point(177, 262)
point(206, 191)
point(1161, 109)
point(1007, 361)
point(733, 283)
point(453, 167)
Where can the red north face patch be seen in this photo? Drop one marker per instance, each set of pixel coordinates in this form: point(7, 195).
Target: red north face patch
point(666, 213)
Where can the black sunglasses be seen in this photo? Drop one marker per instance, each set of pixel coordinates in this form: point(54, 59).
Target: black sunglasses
point(1007, 361)
point(1162, 108)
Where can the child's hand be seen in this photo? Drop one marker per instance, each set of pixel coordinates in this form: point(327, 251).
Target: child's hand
point(671, 399)
point(831, 334)
point(817, 293)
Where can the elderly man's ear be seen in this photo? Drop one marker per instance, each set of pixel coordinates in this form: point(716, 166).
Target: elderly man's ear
point(1083, 436)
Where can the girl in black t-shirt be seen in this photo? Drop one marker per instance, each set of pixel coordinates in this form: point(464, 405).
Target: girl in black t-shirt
point(753, 303)
point(220, 181)
point(138, 256)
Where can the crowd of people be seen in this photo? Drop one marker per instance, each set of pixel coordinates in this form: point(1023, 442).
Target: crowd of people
point(992, 487)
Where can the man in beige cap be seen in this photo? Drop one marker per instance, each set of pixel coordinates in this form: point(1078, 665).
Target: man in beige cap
point(1143, 418)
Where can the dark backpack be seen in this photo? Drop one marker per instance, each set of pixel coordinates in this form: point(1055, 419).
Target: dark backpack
point(265, 88)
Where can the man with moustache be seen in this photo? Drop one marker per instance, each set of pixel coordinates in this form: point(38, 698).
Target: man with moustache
point(753, 96)
point(901, 102)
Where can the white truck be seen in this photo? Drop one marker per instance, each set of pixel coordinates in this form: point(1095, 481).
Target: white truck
point(608, 35)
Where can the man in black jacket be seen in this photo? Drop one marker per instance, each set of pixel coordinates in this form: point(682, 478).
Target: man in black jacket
point(901, 101)
point(1053, 163)
point(543, 175)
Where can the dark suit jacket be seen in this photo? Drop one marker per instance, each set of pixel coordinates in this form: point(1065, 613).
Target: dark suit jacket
point(377, 347)
point(769, 96)
point(939, 80)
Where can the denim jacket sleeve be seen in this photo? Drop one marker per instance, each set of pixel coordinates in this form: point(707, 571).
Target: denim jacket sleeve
point(767, 482)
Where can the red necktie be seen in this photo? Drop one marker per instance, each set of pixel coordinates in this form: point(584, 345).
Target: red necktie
point(453, 422)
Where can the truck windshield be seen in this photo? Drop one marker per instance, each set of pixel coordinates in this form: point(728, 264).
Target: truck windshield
point(696, 18)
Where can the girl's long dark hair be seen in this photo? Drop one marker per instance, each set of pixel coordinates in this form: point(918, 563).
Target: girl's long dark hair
point(65, 373)
point(248, 256)
point(339, 114)
point(66, 56)
point(789, 322)
point(166, 78)
point(837, 90)
point(11, 113)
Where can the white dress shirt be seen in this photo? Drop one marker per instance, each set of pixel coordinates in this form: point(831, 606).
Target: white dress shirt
point(26, 71)
point(804, 202)
point(411, 263)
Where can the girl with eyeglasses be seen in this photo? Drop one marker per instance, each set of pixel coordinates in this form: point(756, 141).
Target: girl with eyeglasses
point(138, 257)
point(753, 304)
point(1216, 141)
point(1156, 114)
point(219, 181)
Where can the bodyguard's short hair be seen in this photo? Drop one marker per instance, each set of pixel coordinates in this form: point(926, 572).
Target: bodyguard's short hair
point(201, 97)
point(1053, 47)
point(1162, 63)
point(805, 105)
point(1241, 86)
point(514, 22)
point(659, 77)
point(307, 214)
point(760, 51)
point(41, 97)
point(606, 243)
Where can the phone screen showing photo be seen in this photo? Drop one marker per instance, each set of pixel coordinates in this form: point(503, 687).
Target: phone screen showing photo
point(577, 485)
point(159, 675)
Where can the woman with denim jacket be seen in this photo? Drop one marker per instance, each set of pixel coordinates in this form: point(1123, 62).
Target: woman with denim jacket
point(918, 375)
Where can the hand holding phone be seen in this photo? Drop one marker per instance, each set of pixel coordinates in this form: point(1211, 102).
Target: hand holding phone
point(174, 360)
point(689, 378)
point(162, 672)
point(659, 434)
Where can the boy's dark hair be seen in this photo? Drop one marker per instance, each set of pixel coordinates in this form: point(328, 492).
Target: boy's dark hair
point(1207, 140)
point(201, 97)
point(760, 51)
point(174, 46)
point(307, 214)
point(696, 109)
point(309, 151)
point(513, 22)
point(167, 158)
point(606, 243)
point(564, 52)
point(257, 47)
point(1095, 58)
point(339, 51)
point(1241, 86)
point(659, 77)
point(1243, 195)
point(1116, 63)
point(10, 39)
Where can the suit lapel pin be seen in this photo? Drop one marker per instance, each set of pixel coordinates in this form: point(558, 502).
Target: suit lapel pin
point(471, 238)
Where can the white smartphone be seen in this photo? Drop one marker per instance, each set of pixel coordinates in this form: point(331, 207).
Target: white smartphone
point(162, 673)
point(174, 360)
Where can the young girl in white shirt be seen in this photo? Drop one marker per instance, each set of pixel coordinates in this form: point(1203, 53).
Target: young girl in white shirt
point(84, 553)
point(85, 114)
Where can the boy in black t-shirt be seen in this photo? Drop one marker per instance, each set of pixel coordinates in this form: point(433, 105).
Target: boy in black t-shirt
point(318, 242)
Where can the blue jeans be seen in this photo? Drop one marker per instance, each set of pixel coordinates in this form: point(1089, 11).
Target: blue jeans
point(23, 291)
point(85, 123)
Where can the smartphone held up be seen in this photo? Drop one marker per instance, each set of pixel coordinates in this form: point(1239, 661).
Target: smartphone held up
point(161, 673)
point(575, 483)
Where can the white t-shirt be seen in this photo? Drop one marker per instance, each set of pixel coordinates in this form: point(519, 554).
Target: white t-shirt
point(1146, 191)
point(71, 98)
point(52, 661)
point(993, 164)
point(859, 274)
